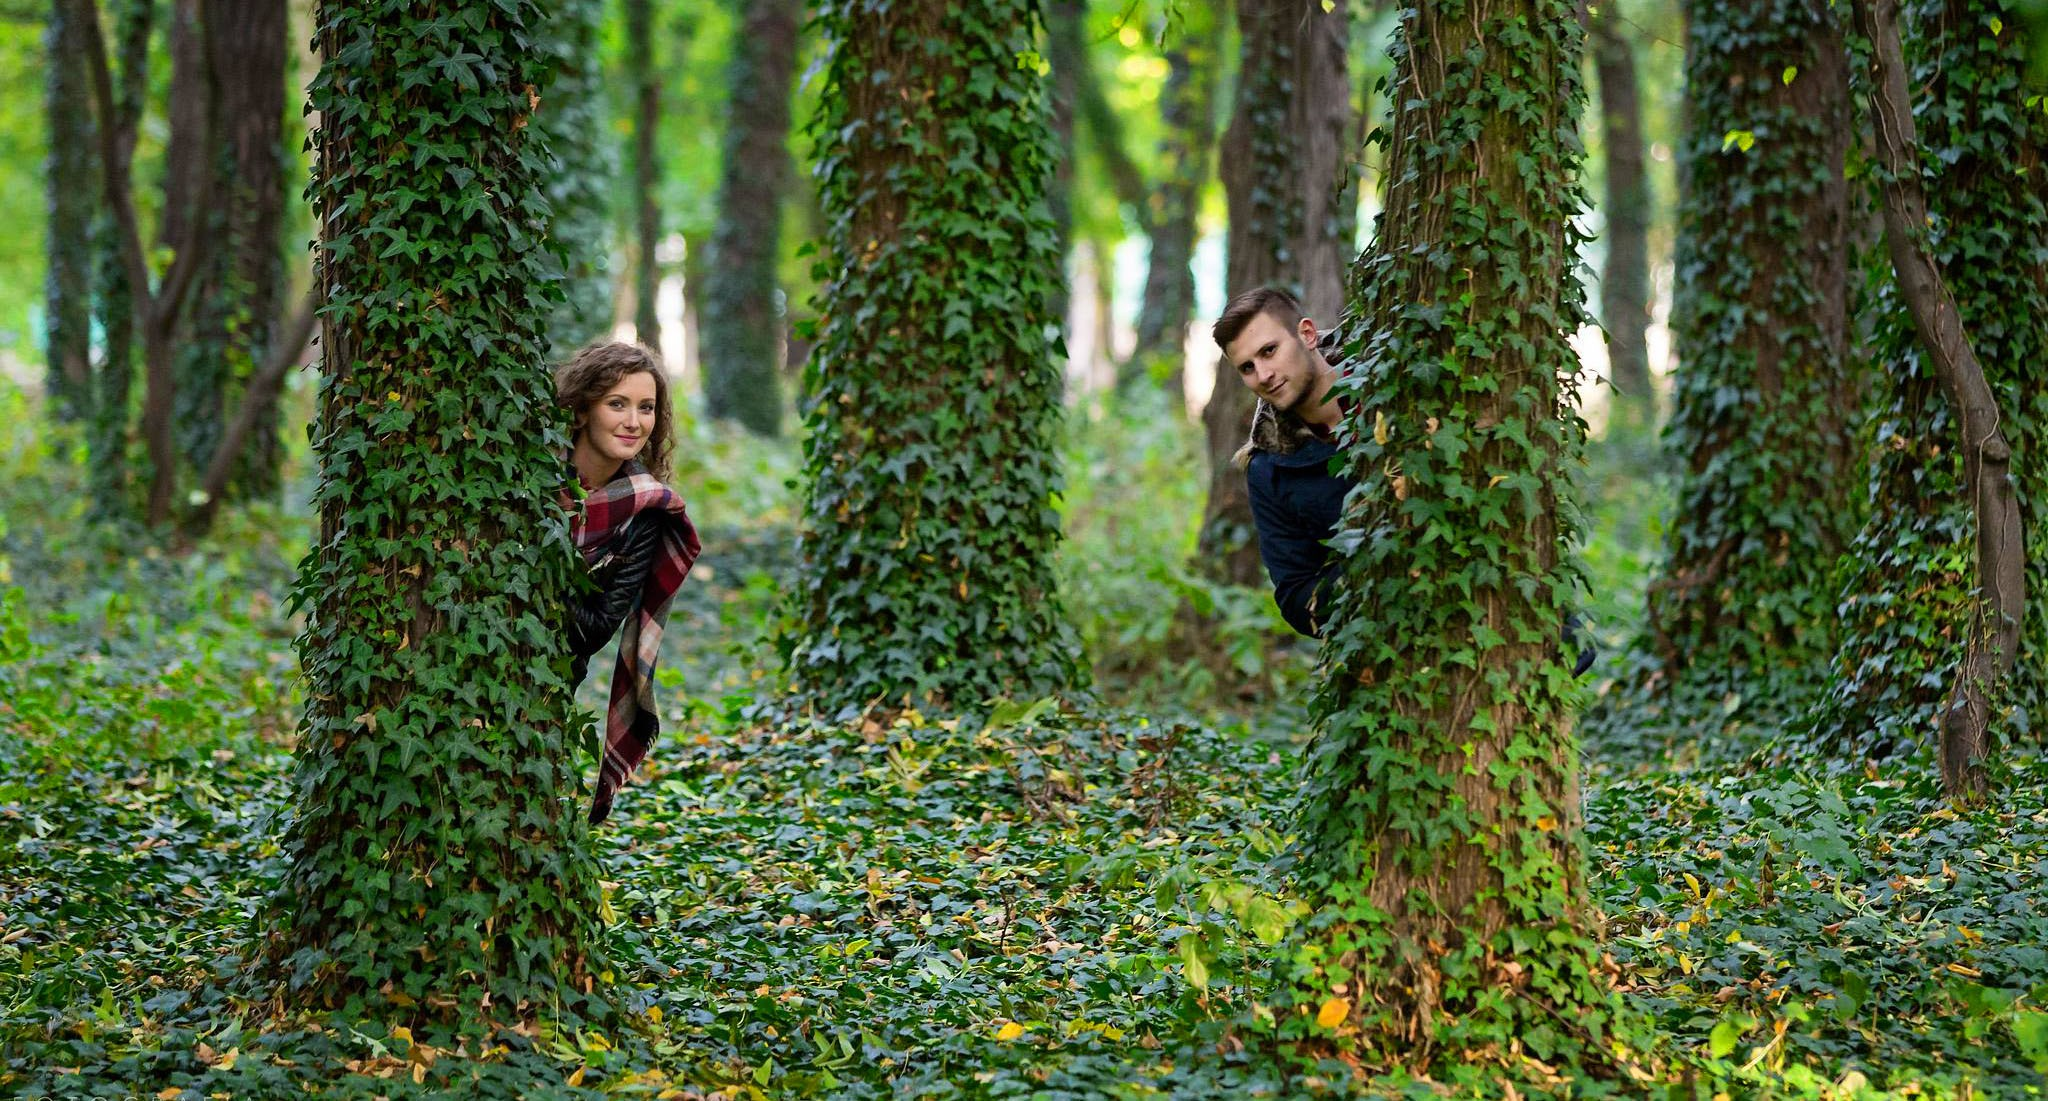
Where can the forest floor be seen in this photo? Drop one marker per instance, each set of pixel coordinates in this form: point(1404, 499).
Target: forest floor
point(1045, 901)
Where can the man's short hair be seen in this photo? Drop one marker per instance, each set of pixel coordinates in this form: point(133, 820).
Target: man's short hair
point(1239, 311)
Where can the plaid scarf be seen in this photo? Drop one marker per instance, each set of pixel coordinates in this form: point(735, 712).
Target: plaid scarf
point(630, 722)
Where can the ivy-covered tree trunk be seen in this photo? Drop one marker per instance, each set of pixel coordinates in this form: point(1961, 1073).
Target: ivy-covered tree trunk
point(646, 195)
point(1453, 935)
point(67, 237)
point(438, 850)
point(742, 324)
point(572, 120)
point(1288, 181)
point(1762, 420)
point(1625, 275)
point(1188, 109)
point(113, 299)
point(237, 82)
point(1905, 598)
point(192, 176)
point(929, 528)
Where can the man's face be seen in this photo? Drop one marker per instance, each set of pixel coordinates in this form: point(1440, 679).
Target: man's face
point(1277, 361)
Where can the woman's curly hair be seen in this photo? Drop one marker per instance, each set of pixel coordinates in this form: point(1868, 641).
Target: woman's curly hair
point(591, 374)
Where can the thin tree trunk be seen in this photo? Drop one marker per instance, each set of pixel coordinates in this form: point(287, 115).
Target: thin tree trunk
point(1288, 184)
point(742, 326)
point(259, 405)
point(1066, 50)
point(573, 116)
point(68, 189)
point(1994, 631)
point(1625, 276)
point(1188, 118)
point(156, 312)
point(646, 170)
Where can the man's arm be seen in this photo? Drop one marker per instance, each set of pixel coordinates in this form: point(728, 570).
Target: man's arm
point(1296, 559)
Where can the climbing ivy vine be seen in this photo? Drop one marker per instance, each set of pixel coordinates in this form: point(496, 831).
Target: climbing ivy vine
point(439, 861)
point(1452, 934)
point(934, 394)
point(1906, 584)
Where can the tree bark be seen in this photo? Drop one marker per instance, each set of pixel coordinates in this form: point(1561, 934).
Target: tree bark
point(156, 311)
point(67, 189)
point(1762, 415)
point(1188, 117)
point(742, 324)
point(927, 575)
point(1625, 274)
point(573, 116)
point(1066, 51)
point(1442, 808)
point(440, 868)
point(1287, 178)
point(1994, 631)
point(646, 170)
point(259, 405)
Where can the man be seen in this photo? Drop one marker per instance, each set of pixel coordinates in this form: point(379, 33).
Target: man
point(1278, 352)
point(1296, 501)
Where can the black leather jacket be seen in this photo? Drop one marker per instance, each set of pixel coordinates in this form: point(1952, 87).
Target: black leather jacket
point(619, 574)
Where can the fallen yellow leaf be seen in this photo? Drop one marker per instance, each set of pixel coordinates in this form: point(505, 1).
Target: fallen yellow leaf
point(1010, 1031)
point(576, 1079)
point(1333, 1012)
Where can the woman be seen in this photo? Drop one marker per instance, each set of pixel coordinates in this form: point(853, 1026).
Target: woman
point(633, 534)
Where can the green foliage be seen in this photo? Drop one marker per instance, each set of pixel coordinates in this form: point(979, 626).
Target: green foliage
point(1110, 885)
point(930, 526)
point(1763, 414)
point(1855, 926)
point(1161, 632)
point(571, 119)
point(438, 857)
point(1907, 581)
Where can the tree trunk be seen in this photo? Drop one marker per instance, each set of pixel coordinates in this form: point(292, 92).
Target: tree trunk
point(440, 867)
point(238, 297)
point(573, 116)
point(1066, 51)
point(192, 163)
point(68, 186)
point(646, 170)
point(114, 300)
point(1907, 595)
point(1993, 634)
point(933, 453)
point(742, 324)
point(1442, 811)
point(1625, 275)
point(1762, 420)
point(1287, 177)
point(157, 310)
point(1188, 110)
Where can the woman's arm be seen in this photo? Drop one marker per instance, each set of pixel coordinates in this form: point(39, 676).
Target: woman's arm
point(595, 616)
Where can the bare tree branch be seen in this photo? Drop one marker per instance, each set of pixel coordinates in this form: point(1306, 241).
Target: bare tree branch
point(257, 398)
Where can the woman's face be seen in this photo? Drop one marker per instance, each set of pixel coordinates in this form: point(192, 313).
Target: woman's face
point(618, 424)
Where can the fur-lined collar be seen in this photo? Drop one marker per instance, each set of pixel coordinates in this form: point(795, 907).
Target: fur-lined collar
point(1278, 432)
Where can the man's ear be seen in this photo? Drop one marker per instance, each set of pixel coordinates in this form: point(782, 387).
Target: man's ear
point(1307, 331)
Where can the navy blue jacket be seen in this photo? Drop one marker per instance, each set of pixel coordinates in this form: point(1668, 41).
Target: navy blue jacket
point(1296, 503)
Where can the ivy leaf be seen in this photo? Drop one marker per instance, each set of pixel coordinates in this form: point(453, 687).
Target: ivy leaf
point(1741, 139)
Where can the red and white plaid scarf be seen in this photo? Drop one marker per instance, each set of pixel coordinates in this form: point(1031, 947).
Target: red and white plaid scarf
point(630, 722)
